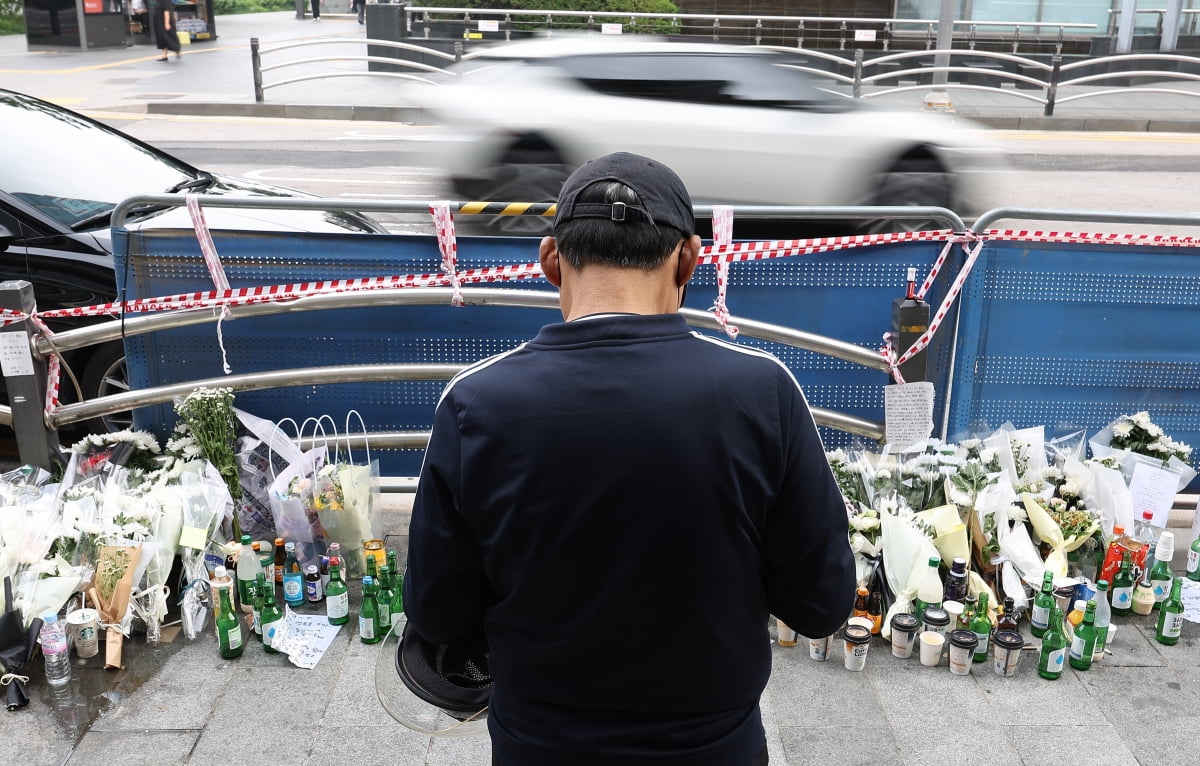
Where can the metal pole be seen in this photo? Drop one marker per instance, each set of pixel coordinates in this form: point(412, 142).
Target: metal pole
point(256, 67)
point(1052, 86)
point(1125, 25)
point(938, 99)
point(1169, 40)
point(858, 67)
point(26, 380)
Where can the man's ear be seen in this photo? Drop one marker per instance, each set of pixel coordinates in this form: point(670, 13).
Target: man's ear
point(548, 258)
point(689, 255)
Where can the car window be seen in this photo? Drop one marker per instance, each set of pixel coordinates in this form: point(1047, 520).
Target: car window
point(745, 79)
point(71, 169)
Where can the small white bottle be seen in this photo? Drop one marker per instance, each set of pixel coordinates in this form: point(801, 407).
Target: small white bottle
point(930, 591)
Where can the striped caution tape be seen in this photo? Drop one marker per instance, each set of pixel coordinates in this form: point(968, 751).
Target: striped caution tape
point(546, 209)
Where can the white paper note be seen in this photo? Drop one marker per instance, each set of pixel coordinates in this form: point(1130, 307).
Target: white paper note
point(1153, 489)
point(304, 638)
point(908, 413)
point(1191, 600)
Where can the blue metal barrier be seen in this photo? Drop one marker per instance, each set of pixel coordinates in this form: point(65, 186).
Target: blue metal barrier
point(1072, 336)
point(844, 294)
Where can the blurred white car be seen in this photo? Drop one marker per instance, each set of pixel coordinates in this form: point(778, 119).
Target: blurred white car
point(739, 125)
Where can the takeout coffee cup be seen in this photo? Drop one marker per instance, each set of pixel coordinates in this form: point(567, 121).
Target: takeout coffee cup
point(931, 648)
point(1006, 649)
point(82, 630)
point(904, 634)
point(856, 640)
point(962, 651)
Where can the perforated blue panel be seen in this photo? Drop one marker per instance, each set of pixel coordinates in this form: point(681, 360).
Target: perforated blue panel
point(1073, 336)
point(846, 295)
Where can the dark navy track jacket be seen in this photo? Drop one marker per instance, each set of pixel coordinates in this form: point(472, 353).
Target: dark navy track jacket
point(620, 504)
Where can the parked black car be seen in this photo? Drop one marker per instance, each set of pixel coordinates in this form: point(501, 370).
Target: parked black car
point(61, 175)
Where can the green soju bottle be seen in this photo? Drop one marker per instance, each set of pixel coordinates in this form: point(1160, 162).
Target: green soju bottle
point(229, 628)
point(337, 600)
point(394, 562)
point(368, 616)
point(1170, 615)
point(383, 599)
point(397, 597)
point(1193, 559)
point(1043, 603)
point(372, 567)
point(981, 626)
point(271, 618)
point(257, 592)
point(1054, 646)
point(1122, 586)
point(1083, 646)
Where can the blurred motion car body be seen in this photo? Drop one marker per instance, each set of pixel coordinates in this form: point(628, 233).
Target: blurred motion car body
point(61, 176)
point(740, 125)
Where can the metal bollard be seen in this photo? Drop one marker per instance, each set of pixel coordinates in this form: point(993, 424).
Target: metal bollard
point(25, 379)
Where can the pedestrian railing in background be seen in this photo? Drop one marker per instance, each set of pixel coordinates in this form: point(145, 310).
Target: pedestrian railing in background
point(1047, 81)
point(303, 336)
point(840, 32)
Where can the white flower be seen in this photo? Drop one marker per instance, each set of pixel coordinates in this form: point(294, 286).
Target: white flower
point(837, 456)
point(1123, 429)
point(1069, 487)
point(883, 474)
point(1141, 419)
point(1052, 473)
point(987, 456)
point(863, 524)
point(1154, 430)
point(970, 444)
point(1016, 512)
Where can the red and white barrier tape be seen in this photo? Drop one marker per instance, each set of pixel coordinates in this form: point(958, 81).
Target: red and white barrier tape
point(208, 250)
point(722, 224)
point(888, 352)
point(448, 245)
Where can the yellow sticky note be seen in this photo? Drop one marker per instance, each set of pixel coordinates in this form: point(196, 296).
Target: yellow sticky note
point(193, 537)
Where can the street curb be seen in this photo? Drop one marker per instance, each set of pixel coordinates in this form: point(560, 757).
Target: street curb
point(416, 116)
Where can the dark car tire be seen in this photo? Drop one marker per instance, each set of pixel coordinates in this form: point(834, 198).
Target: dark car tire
point(911, 183)
point(106, 373)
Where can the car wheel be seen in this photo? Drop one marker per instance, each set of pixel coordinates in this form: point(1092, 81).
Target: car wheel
point(105, 374)
point(521, 182)
point(912, 183)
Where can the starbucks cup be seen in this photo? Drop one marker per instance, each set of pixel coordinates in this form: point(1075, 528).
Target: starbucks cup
point(962, 651)
point(904, 634)
point(82, 625)
point(818, 648)
point(1006, 650)
point(931, 647)
point(856, 640)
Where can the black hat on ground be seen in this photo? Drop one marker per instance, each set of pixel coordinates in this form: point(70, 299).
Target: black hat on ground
point(453, 677)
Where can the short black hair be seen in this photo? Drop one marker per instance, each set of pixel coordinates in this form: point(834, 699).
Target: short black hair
point(626, 244)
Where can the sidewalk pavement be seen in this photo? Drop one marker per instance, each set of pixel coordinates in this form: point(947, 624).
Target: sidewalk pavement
point(215, 77)
point(180, 703)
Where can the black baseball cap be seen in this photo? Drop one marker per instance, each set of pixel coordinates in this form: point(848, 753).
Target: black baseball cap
point(665, 200)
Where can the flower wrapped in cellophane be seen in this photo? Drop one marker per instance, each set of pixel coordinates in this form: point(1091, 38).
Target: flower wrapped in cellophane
point(1133, 439)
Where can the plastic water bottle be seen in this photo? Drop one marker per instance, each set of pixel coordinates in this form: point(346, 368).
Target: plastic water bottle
point(54, 649)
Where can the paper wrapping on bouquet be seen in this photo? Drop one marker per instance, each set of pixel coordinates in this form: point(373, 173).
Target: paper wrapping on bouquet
point(1100, 448)
point(993, 500)
point(906, 553)
point(1049, 532)
point(354, 521)
point(951, 541)
point(113, 603)
point(1022, 554)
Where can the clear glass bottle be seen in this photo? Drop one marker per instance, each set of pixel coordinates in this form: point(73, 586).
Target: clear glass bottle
point(229, 628)
point(1103, 619)
point(1083, 645)
point(929, 589)
point(1043, 603)
point(337, 600)
point(1054, 646)
point(1170, 615)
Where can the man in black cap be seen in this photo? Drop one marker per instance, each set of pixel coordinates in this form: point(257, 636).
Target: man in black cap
point(619, 504)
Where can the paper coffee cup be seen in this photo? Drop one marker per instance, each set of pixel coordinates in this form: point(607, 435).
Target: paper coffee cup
point(83, 627)
point(931, 647)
